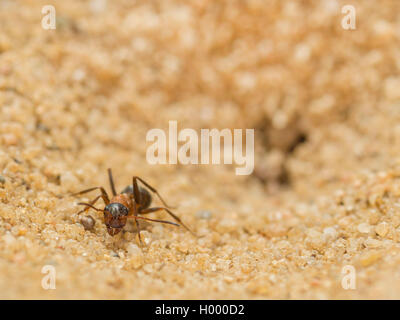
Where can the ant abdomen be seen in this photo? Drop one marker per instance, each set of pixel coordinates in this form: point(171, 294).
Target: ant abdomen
point(145, 196)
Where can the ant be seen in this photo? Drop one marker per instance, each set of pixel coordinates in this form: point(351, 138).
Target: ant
point(132, 201)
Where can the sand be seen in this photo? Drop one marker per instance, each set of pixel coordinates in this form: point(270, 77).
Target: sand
point(323, 200)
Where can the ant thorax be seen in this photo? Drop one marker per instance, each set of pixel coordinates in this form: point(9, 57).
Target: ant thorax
point(123, 199)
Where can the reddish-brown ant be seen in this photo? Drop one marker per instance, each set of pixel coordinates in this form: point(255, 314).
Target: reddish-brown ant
point(131, 202)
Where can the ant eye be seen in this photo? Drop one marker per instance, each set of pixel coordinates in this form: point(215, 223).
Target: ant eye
point(124, 210)
point(117, 209)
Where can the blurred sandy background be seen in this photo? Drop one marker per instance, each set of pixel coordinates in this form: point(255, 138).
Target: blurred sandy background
point(325, 103)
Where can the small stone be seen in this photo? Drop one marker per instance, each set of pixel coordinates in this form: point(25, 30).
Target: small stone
point(9, 239)
point(226, 225)
point(22, 231)
point(10, 139)
point(258, 287)
point(107, 257)
point(79, 75)
point(183, 247)
point(369, 258)
point(97, 6)
point(395, 221)
point(313, 234)
point(133, 249)
point(330, 234)
point(148, 268)
point(2, 180)
point(391, 87)
point(135, 256)
point(88, 222)
point(373, 217)
point(372, 243)
point(204, 214)
point(363, 227)
point(382, 229)
point(69, 180)
point(223, 264)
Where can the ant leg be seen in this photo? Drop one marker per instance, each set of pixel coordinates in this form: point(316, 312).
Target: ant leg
point(135, 215)
point(110, 178)
point(136, 191)
point(170, 213)
point(91, 206)
point(138, 231)
point(153, 190)
point(156, 220)
point(104, 194)
point(91, 203)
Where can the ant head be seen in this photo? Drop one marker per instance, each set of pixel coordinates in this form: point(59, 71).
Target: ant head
point(115, 215)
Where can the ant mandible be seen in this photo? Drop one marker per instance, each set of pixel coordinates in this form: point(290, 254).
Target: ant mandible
point(131, 202)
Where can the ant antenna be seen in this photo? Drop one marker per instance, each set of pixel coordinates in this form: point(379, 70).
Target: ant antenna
point(110, 177)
